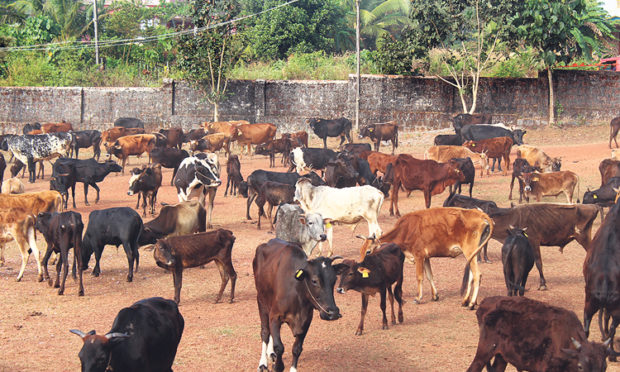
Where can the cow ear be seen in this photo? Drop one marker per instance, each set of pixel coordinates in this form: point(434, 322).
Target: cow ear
point(340, 268)
point(302, 220)
point(78, 332)
point(364, 271)
point(300, 274)
point(115, 338)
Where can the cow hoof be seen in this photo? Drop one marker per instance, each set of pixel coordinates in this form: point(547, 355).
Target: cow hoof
point(486, 260)
point(18, 279)
point(130, 279)
point(85, 203)
point(416, 301)
point(358, 332)
point(384, 327)
point(400, 318)
point(273, 357)
point(56, 285)
point(49, 282)
point(472, 306)
point(95, 274)
point(263, 368)
point(60, 293)
point(435, 298)
point(231, 301)
point(543, 287)
point(81, 293)
point(40, 278)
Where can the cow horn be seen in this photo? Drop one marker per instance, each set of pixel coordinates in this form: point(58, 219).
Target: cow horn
point(110, 336)
point(337, 258)
point(78, 332)
point(576, 343)
point(607, 342)
point(148, 247)
point(361, 237)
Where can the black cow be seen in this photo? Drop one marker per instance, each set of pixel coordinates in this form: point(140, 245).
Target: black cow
point(460, 120)
point(480, 132)
point(364, 174)
point(448, 140)
point(143, 337)
point(113, 226)
point(289, 287)
point(129, 123)
point(519, 167)
point(145, 182)
point(308, 159)
point(466, 166)
point(168, 158)
point(518, 260)
point(2, 168)
point(324, 128)
point(259, 176)
point(604, 196)
point(194, 135)
point(377, 272)
point(62, 231)
point(234, 177)
point(66, 172)
point(340, 174)
point(356, 149)
point(30, 127)
point(84, 139)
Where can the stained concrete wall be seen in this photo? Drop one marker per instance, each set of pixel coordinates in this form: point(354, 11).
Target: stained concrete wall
point(582, 97)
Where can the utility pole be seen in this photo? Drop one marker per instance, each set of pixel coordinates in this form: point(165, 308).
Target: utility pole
point(357, 52)
point(96, 37)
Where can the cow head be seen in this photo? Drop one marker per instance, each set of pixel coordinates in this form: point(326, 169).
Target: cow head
point(528, 179)
point(96, 349)
point(243, 189)
point(262, 149)
point(43, 222)
point(163, 255)
point(111, 166)
point(369, 245)
point(134, 180)
point(589, 356)
point(455, 172)
point(590, 197)
point(340, 170)
point(353, 275)
point(313, 222)
point(317, 279)
point(207, 169)
point(517, 231)
point(517, 136)
point(367, 131)
point(556, 164)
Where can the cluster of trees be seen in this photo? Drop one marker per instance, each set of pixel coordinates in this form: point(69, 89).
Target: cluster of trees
point(458, 40)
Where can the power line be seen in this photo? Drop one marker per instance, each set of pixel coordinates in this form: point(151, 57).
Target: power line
point(74, 45)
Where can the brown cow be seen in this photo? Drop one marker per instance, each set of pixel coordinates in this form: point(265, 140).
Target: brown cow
point(174, 137)
point(533, 336)
point(614, 127)
point(381, 132)
point(254, 134)
point(608, 168)
point(298, 138)
point(278, 146)
point(427, 175)
point(136, 144)
point(378, 161)
point(537, 158)
point(173, 220)
point(212, 142)
point(181, 252)
point(493, 148)
point(227, 127)
point(550, 184)
point(111, 135)
point(18, 224)
point(440, 232)
point(445, 153)
point(548, 225)
point(63, 126)
point(33, 202)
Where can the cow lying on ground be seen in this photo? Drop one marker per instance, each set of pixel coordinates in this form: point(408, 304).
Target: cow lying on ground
point(168, 158)
point(346, 206)
point(381, 132)
point(181, 252)
point(324, 128)
point(13, 186)
point(377, 272)
point(62, 231)
point(550, 184)
point(533, 336)
point(537, 158)
point(289, 287)
point(601, 272)
point(295, 226)
point(146, 183)
point(518, 260)
point(84, 139)
point(18, 224)
point(179, 219)
point(440, 232)
point(114, 226)
point(547, 225)
point(233, 175)
point(519, 167)
point(133, 343)
point(494, 148)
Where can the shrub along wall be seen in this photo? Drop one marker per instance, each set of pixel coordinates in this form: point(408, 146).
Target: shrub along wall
point(582, 97)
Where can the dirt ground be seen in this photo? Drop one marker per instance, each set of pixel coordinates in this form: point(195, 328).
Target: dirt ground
point(435, 336)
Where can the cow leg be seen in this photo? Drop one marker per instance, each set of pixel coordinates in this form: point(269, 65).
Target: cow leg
point(484, 354)
point(23, 249)
point(31, 170)
point(512, 182)
point(391, 298)
point(97, 269)
point(123, 165)
point(429, 276)
point(144, 202)
point(588, 312)
point(278, 347)
point(72, 196)
point(539, 265)
point(474, 280)
point(427, 197)
point(382, 304)
point(419, 273)
point(269, 215)
point(266, 339)
point(58, 269)
point(499, 364)
point(94, 186)
point(64, 254)
point(77, 256)
point(35, 252)
point(298, 345)
point(211, 191)
point(46, 258)
point(330, 239)
point(130, 260)
point(224, 277)
point(177, 278)
point(174, 173)
point(612, 334)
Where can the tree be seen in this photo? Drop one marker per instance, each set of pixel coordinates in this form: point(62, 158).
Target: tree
point(207, 57)
point(560, 31)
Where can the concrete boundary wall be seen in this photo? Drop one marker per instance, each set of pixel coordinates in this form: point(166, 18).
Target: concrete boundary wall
point(582, 97)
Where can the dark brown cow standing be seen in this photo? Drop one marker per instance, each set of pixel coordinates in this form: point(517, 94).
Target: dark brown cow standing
point(533, 336)
point(427, 175)
point(381, 132)
point(495, 148)
point(182, 252)
point(146, 183)
point(174, 137)
point(298, 138)
point(277, 146)
point(234, 177)
point(601, 270)
point(548, 225)
point(519, 167)
point(289, 287)
point(273, 193)
point(608, 168)
point(614, 127)
point(376, 273)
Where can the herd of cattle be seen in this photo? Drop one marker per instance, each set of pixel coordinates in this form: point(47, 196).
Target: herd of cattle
point(352, 187)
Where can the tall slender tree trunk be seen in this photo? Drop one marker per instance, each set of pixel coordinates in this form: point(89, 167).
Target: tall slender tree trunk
point(216, 112)
point(551, 98)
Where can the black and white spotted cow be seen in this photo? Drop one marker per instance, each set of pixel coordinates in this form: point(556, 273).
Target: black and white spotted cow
point(199, 176)
point(30, 149)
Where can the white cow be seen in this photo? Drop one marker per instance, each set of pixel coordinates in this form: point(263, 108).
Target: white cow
point(347, 206)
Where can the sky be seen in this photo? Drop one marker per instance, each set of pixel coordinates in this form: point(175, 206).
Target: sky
point(612, 7)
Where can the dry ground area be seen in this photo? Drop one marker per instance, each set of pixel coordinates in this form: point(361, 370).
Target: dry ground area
point(436, 336)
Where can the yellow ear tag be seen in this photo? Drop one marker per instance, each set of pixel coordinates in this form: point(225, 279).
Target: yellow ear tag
point(525, 234)
point(595, 196)
point(328, 225)
point(365, 274)
point(364, 271)
point(299, 273)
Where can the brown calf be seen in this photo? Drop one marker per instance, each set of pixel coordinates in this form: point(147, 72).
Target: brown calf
point(550, 184)
point(277, 146)
point(445, 153)
point(298, 138)
point(63, 126)
point(181, 252)
point(212, 142)
point(440, 232)
point(537, 158)
point(608, 168)
point(378, 161)
point(381, 132)
point(109, 136)
point(614, 127)
point(18, 224)
point(136, 144)
point(254, 134)
point(494, 148)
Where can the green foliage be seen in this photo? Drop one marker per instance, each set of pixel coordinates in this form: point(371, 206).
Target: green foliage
point(305, 26)
point(397, 56)
point(39, 29)
point(520, 64)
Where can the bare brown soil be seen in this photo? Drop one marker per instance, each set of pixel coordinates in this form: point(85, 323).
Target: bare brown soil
point(436, 336)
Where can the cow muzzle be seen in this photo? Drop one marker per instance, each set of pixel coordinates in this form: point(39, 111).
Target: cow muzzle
point(130, 193)
point(527, 188)
point(331, 314)
point(341, 290)
point(323, 237)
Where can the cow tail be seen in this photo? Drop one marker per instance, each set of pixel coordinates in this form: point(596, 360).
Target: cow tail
point(396, 140)
point(465, 279)
point(578, 189)
point(484, 239)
